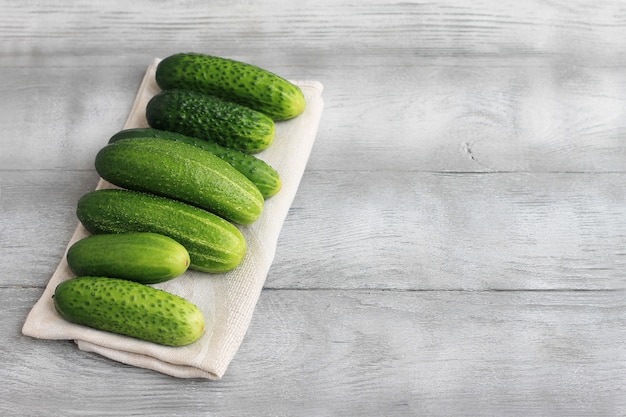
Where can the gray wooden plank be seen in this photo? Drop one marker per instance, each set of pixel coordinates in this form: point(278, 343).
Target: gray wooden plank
point(365, 353)
point(389, 229)
point(437, 115)
point(60, 115)
point(454, 231)
point(457, 116)
point(450, 231)
point(432, 29)
point(37, 220)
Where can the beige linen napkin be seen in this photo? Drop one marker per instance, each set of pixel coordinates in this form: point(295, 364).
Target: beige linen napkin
point(227, 300)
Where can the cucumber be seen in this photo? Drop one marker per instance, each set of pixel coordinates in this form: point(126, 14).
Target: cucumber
point(214, 244)
point(211, 118)
point(182, 172)
point(129, 308)
point(232, 80)
point(264, 176)
point(148, 258)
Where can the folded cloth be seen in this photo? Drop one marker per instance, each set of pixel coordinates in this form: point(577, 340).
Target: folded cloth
point(227, 300)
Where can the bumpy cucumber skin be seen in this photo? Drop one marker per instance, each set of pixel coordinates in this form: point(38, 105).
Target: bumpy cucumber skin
point(211, 118)
point(264, 176)
point(148, 258)
point(186, 173)
point(129, 308)
point(232, 80)
point(214, 244)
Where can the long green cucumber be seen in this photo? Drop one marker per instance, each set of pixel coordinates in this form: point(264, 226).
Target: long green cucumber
point(148, 258)
point(214, 244)
point(129, 308)
point(264, 176)
point(211, 118)
point(233, 80)
point(182, 172)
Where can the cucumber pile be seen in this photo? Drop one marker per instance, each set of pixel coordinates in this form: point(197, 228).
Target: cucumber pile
point(185, 186)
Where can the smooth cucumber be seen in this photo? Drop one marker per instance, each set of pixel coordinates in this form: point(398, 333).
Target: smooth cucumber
point(211, 118)
point(264, 176)
point(182, 172)
point(233, 80)
point(148, 258)
point(129, 308)
point(214, 244)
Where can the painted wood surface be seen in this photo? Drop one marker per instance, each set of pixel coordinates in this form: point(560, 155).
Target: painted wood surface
point(356, 352)
point(457, 245)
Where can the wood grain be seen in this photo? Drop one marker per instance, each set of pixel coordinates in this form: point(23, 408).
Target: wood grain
point(336, 352)
point(432, 114)
point(393, 230)
point(385, 27)
point(451, 231)
point(456, 246)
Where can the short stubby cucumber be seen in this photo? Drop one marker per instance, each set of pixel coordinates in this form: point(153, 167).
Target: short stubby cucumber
point(263, 175)
point(215, 245)
point(182, 172)
point(129, 308)
point(148, 258)
point(211, 118)
point(233, 80)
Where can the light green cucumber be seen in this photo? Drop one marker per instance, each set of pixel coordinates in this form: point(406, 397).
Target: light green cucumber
point(182, 172)
point(148, 258)
point(211, 118)
point(129, 308)
point(214, 244)
point(264, 176)
point(233, 80)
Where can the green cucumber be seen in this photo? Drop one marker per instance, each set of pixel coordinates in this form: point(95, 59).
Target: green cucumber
point(211, 118)
point(182, 172)
point(232, 80)
point(214, 244)
point(148, 258)
point(264, 176)
point(129, 308)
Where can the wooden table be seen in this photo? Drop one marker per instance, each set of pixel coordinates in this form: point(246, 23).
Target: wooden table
point(457, 246)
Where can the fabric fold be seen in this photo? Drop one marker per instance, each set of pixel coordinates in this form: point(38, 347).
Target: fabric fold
point(227, 300)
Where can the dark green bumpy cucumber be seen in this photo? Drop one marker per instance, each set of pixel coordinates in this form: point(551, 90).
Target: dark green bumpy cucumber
point(148, 258)
point(232, 80)
point(211, 118)
point(214, 244)
point(182, 172)
point(264, 176)
point(129, 308)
